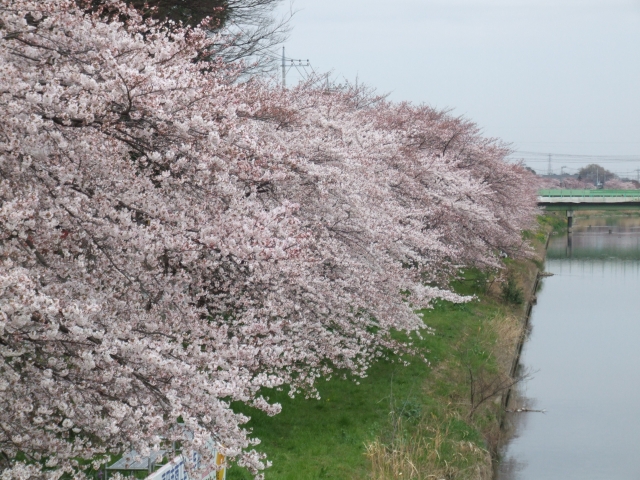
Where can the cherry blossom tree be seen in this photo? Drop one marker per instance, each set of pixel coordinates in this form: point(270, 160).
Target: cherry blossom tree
point(619, 184)
point(432, 178)
point(172, 240)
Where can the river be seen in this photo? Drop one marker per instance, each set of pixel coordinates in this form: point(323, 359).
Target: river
point(583, 353)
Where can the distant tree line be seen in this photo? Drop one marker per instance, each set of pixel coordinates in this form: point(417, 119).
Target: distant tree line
point(595, 173)
point(588, 177)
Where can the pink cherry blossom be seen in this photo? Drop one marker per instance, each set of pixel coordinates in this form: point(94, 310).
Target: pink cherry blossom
point(173, 240)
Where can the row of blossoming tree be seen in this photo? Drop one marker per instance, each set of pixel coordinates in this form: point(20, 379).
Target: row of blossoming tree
point(173, 240)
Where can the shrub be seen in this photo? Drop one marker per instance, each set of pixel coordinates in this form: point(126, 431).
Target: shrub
point(511, 292)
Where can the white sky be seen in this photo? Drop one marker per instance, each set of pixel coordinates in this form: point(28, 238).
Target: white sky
point(550, 76)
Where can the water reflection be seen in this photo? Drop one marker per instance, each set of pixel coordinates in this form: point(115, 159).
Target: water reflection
point(584, 348)
point(598, 237)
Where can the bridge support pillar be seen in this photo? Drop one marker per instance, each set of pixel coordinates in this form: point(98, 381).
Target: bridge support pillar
point(569, 221)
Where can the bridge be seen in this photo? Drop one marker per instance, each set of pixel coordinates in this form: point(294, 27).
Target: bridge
point(572, 200)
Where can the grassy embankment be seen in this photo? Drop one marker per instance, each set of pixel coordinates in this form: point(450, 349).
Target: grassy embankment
point(416, 421)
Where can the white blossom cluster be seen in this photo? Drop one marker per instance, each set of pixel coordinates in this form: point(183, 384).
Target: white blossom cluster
point(172, 241)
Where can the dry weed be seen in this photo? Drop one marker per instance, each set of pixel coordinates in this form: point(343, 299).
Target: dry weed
point(428, 454)
point(507, 330)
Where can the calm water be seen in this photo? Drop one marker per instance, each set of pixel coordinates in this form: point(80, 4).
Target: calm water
point(584, 352)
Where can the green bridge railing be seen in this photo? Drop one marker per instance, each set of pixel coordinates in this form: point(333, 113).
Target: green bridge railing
point(589, 193)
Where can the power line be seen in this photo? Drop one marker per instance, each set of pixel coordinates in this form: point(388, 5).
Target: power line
point(279, 57)
point(581, 162)
point(573, 155)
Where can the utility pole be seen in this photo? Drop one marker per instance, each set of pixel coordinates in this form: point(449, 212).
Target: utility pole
point(284, 71)
point(562, 174)
point(549, 172)
point(298, 66)
point(638, 174)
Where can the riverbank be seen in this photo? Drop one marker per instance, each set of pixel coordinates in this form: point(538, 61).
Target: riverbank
point(414, 421)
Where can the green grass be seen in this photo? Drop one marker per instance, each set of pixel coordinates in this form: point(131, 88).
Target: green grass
point(554, 221)
point(327, 438)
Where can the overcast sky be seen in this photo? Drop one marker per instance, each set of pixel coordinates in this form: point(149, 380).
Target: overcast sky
point(550, 76)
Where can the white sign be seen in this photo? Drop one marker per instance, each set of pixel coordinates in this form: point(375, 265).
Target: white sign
point(176, 469)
